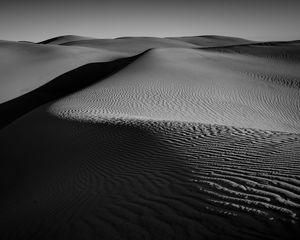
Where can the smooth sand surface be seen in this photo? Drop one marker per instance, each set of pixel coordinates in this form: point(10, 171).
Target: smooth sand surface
point(26, 66)
point(188, 140)
point(213, 41)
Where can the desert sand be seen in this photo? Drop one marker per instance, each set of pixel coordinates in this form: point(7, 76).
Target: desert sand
point(150, 138)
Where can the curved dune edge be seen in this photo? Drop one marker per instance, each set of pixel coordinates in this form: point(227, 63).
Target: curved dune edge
point(62, 39)
point(27, 66)
point(62, 85)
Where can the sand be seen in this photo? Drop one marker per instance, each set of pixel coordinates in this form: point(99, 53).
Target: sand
point(150, 138)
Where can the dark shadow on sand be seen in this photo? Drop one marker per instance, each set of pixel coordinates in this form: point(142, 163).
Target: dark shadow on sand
point(62, 85)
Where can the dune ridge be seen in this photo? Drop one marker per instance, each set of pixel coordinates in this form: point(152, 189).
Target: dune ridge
point(62, 85)
point(178, 142)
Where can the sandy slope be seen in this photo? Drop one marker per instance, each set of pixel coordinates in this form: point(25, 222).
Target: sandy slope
point(183, 143)
point(26, 66)
point(131, 44)
point(196, 86)
point(148, 42)
point(69, 82)
point(213, 41)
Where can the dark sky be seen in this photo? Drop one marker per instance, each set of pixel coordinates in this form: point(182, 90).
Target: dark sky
point(257, 20)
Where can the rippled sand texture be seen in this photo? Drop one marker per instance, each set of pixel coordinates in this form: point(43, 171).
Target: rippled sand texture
point(197, 138)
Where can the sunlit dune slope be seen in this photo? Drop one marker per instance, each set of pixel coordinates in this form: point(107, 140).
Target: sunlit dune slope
point(195, 86)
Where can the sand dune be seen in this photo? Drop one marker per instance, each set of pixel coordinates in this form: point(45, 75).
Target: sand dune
point(213, 41)
point(131, 44)
point(62, 85)
point(150, 42)
point(194, 86)
point(63, 39)
point(178, 142)
point(27, 66)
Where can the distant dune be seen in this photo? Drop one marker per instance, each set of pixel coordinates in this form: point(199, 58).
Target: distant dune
point(213, 41)
point(150, 138)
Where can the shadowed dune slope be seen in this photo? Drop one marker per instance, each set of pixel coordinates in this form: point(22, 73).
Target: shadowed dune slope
point(27, 66)
point(64, 84)
point(116, 179)
point(64, 39)
point(181, 143)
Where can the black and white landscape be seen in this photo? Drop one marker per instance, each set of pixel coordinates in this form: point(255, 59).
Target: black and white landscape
point(150, 138)
point(192, 137)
